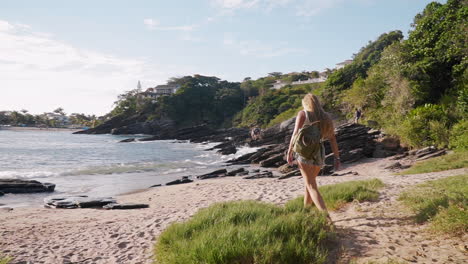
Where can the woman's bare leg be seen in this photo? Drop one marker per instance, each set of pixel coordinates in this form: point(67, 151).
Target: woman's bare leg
point(309, 173)
point(307, 198)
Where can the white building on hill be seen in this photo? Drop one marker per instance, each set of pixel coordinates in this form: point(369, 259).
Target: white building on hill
point(342, 64)
point(160, 90)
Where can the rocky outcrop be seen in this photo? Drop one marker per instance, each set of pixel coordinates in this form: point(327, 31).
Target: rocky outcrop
point(136, 124)
point(355, 142)
point(22, 186)
point(184, 179)
point(117, 206)
point(81, 201)
point(214, 174)
point(236, 172)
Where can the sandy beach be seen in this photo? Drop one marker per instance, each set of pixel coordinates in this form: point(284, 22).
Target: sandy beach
point(370, 231)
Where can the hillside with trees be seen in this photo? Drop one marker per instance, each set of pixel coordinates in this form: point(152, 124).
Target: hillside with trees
point(413, 88)
point(417, 88)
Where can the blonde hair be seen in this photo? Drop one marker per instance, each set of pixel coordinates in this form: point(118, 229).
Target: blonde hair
point(312, 104)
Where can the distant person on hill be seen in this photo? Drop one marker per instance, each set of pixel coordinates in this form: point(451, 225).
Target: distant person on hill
point(357, 115)
point(255, 133)
point(313, 115)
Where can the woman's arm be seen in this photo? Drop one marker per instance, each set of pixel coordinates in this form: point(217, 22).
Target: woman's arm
point(300, 118)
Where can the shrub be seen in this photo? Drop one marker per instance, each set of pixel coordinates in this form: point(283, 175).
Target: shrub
point(459, 136)
point(255, 232)
point(246, 232)
point(426, 125)
point(442, 202)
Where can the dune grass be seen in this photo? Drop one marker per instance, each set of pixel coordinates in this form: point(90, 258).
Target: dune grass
point(4, 260)
point(257, 232)
point(441, 202)
point(337, 195)
point(455, 160)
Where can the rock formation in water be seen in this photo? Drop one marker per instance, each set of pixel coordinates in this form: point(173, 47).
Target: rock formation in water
point(24, 186)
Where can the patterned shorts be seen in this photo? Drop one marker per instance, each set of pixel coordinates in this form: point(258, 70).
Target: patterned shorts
point(317, 160)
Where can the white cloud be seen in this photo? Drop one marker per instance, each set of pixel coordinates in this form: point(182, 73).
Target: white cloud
point(236, 4)
point(40, 73)
point(302, 7)
point(150, 23)
point(153, 24)
point(259, 49)
point(313, 7)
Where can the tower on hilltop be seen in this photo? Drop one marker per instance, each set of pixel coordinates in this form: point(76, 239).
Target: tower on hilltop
point(139, 85)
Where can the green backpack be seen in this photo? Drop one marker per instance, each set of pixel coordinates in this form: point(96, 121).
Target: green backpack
point(307, 141)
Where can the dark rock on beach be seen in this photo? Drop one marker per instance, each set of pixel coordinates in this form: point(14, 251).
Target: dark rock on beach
point(397, 166)
point(184, 179)
point(127, 140)
point(290, 174)
point(117, 206)
point(235, 172)
point(213, 174)
point(82, 201)
point(22, 186)
point(260, 175)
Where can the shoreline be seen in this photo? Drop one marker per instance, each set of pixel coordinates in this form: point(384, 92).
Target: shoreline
point(16, 128)
point(127, 236)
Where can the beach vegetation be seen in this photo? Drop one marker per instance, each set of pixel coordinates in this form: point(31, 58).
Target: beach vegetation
point(443, 203)
point(274, 106)
point(5, 260)
point(337, 195)
point(455, 160)
point(247, 232)
point(415, 88)
point(257, 232)
point(459, 136)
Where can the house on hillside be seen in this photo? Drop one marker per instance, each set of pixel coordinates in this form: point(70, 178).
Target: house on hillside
point(342, 64)
point(311, 80)
point(279, 84)
point(160, 90)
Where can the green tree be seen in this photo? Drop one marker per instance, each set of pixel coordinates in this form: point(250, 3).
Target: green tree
point(59, 111)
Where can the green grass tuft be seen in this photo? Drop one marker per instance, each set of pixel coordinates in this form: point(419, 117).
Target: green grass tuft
point(442, 202)
point(337, 195)
point(5, 260)
point(451, 161)
point(246, 232)
point(256, 232)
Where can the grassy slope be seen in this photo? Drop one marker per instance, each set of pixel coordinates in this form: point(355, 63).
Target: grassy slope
point(444, 203)
point(451, 161)
point(255, 232)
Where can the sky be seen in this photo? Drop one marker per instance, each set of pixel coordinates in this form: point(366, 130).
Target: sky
point(80, 54)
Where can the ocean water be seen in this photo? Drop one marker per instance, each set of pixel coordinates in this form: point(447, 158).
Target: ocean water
point(97, 165)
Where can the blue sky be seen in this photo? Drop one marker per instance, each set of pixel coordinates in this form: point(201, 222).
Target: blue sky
point(81, 54)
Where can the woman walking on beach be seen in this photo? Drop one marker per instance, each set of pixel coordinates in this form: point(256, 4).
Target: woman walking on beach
point(313, 114)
